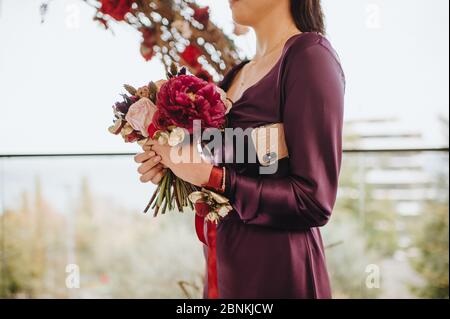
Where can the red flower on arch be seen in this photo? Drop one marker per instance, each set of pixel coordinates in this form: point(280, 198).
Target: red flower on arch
point(117, 9)
point(190, 55)
point(202, 15)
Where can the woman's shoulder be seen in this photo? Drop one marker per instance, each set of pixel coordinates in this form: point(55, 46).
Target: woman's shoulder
point(303, 40)
point(309, 45)
point(311, 50)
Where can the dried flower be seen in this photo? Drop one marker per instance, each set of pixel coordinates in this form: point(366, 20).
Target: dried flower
point(130, 89)
point(143, 92)
point(117, 126)
point(210, 205)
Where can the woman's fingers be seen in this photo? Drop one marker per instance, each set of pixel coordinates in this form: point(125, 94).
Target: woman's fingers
point(148, 145)
point(153, 173)
point(143, 157)
point(158, 177)
point(149, 164)
point(151, 168)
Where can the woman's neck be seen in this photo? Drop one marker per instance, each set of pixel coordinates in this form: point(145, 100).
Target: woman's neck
point(273, 30)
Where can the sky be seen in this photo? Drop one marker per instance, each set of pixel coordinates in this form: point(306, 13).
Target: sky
point(59, 79)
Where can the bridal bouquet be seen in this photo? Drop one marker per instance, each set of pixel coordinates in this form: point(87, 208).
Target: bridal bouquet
point(165, 111)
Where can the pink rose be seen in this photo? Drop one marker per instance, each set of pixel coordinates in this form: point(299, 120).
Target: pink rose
point(140, 115)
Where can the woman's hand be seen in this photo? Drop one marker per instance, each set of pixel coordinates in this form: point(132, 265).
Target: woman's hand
point(151, 169)
point(192, 169)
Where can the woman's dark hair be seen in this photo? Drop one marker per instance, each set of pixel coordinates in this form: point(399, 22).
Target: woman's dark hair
point(308, 15)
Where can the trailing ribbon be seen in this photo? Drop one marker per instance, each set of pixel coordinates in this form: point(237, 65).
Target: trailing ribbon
point(212, 207)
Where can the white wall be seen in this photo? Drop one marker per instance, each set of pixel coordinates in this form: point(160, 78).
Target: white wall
point(58, 79)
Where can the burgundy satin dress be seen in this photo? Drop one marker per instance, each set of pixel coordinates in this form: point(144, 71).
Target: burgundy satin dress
point(270, 245)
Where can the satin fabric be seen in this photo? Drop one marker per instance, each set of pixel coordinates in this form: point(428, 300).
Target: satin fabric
point(270, 245)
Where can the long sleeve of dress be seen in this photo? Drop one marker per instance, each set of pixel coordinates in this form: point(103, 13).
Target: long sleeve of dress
point(312, 91)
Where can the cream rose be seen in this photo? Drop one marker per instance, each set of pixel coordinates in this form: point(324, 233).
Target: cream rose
point(177, 136)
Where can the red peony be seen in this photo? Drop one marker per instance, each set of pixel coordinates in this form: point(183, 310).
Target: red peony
point(186, 98)
point(117, 9)
point(160, 122)
point(202, 15)
point(191, 54)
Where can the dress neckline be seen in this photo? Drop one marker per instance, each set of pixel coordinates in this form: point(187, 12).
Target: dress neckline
point(275, 66)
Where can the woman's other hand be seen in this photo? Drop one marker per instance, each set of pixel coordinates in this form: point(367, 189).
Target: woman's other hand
point(193, 170)
point(151, 168)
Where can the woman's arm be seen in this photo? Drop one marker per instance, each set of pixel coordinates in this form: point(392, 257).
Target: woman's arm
point(313, 118)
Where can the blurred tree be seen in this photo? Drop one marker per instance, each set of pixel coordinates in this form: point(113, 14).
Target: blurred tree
point(347, 261)
point(432, 240)
point(16, 272)
point(366, 225)
point(31, 252)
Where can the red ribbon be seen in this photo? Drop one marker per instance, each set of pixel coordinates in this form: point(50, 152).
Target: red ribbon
point(202, 210)
point(213, 287)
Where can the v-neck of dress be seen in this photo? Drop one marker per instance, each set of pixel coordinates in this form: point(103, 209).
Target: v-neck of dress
point(243, 63)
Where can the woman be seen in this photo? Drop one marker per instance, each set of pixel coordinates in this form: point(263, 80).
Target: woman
point(270, 246)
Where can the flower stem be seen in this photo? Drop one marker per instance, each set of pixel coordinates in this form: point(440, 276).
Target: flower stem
point(162, 193)
point(176, 189)
point(152, 199)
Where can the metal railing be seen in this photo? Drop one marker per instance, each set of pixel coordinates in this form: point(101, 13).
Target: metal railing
point(349, 151)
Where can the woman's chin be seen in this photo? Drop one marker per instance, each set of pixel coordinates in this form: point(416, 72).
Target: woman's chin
point(233, 3)
point(242, 19)
point(237, 11)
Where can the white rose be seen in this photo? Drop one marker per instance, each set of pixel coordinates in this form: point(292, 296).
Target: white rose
point(176, 136)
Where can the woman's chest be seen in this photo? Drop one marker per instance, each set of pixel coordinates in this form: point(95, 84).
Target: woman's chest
point(258, 105)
